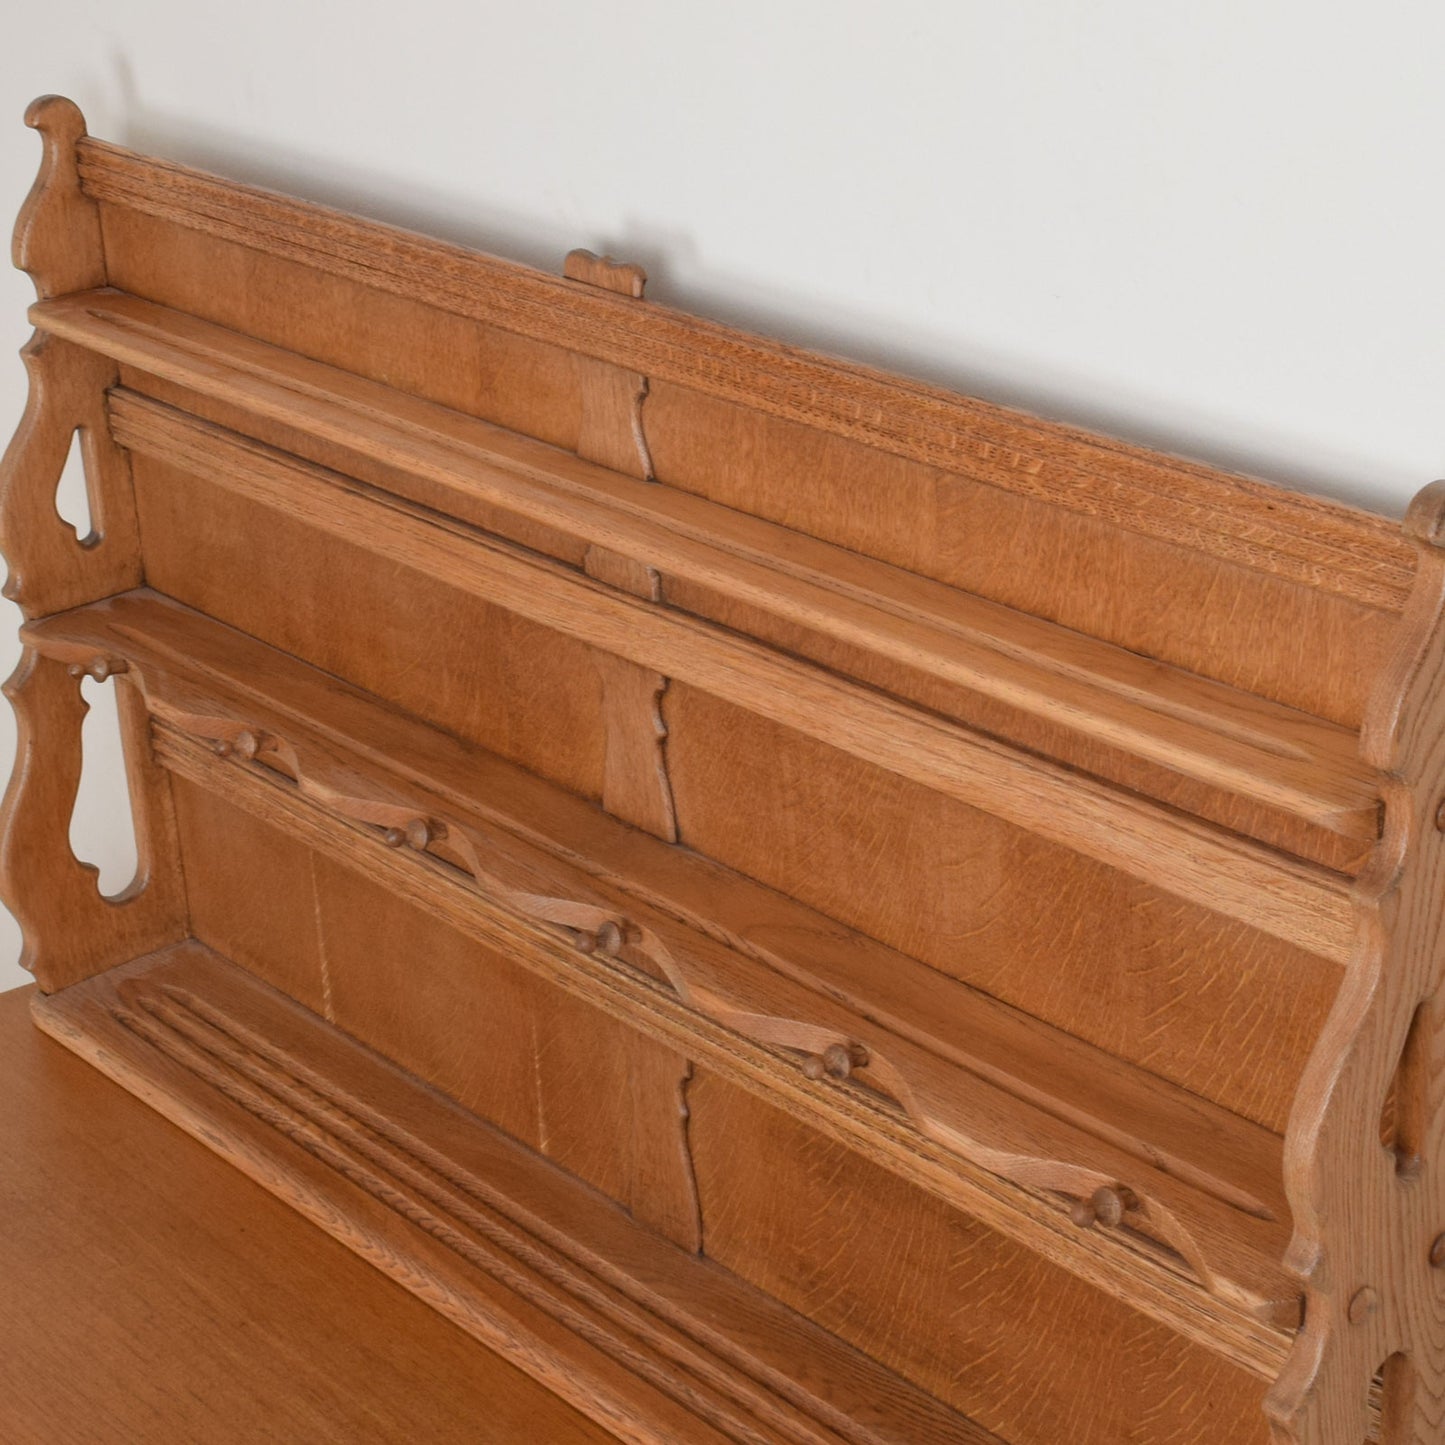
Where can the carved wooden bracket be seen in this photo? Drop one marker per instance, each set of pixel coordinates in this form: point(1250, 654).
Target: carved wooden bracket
point(1365, 1151)
point(58, 244)
point(71, 931)
point(51, 569)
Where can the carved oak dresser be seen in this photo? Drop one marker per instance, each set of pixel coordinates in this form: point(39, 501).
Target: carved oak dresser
point(792, 905)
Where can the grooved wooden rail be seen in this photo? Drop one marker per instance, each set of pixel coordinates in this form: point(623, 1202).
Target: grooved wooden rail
point(794, 905)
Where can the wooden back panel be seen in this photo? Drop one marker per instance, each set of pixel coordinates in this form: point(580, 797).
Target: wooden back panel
point(1261, 584)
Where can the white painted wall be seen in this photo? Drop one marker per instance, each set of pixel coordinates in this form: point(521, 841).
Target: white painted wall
point(1215, 228)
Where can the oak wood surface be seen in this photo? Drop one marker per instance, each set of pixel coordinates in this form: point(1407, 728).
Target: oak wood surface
point(975, 879)
point(661, 1346)
point(1328, 545)
point(1223, 739)
point(204, 679)
point(1300, 903)
point(153, 1294)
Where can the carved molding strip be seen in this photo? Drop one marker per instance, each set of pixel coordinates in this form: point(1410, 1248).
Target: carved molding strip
point(1320, 544)
point(511, 1249)
point(1255, 1330)
point(819, 1033)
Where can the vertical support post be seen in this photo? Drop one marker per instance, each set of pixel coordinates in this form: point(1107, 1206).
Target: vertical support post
point(1369, 1203)
point(635, 785)
point(635, 782)
point(70, 930)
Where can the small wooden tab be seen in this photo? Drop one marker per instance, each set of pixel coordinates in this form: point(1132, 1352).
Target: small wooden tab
point(622, 277)
point(611, 430)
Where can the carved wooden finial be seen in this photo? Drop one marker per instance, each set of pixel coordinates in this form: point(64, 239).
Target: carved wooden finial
point(1425, 517)
point(621, 277)
point(57, 238)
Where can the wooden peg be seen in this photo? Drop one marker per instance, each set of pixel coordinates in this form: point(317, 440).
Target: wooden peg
point(837, 1061)
point(1107, 1206)
point(418, 834)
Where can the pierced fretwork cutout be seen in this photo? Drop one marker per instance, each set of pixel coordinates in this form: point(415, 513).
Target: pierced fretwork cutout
point(72, 492)
point(102, 825)
point(1402, 1122)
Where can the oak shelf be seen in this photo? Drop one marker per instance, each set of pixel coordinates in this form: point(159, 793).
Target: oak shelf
point(659, 1345)
point(1266, 770)
point(1017, 1121)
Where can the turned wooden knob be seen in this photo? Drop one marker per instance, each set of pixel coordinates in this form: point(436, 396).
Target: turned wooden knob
point(245, 745)
point(609, 939)
point(1106, 1206)
point(837, 1061)
point(417, 834)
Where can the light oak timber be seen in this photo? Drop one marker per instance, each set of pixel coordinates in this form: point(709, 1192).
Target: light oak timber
point(655, 1345)
point(1370, 1213)
point(1222, 738)
point(1303, 905)
point(180, 649)
point(69, 929)
point(942, 865)
point(154, 1294)
point(1254, 1332)
point(635, 785)
point(332, 771)
point(1324, 544)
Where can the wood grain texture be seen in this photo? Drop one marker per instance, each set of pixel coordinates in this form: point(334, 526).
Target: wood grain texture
point(1368, 1211)
point(1154, 595)
point(383, 970)
point(657, 1346)
point(1304, 905)
point(1227, 1239)
point(57, 239)
point(635, 785)
point(154, 1294)
point(1040, 1359)
point(977, 879)
point(1014, 676)
point(936, 880)
point(49, 567)
point(69, 929)
point(1321, 543)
